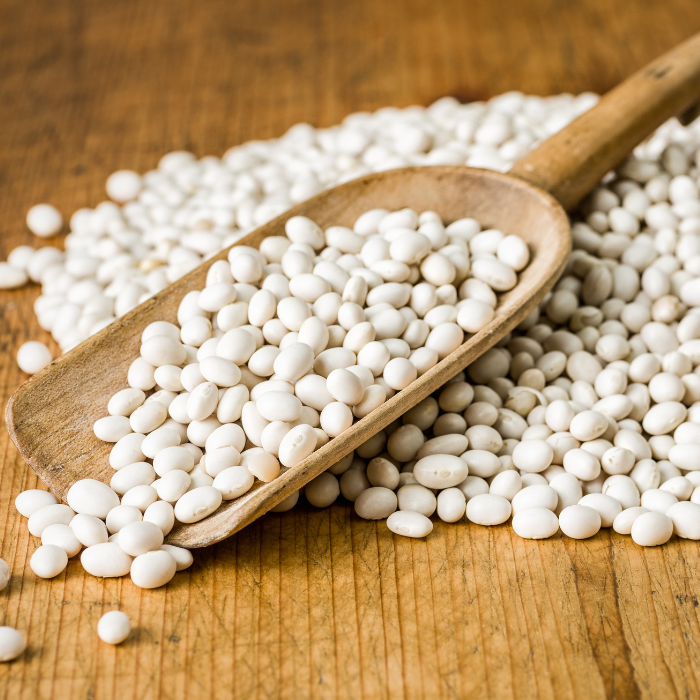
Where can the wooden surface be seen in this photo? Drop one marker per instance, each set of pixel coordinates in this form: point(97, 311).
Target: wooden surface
point(318, 603)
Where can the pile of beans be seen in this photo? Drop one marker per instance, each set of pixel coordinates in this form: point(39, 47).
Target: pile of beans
point(586, 416)
point(174, 217)
point(283, 349)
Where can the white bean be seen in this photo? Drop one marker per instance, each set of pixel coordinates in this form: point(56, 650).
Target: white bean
point(127, 451)
point(12, 643)
point(89, 530)
point(231, 404)
point(153, 569)
point(345, 386)
point(535, 523)
point(451, 505)
point(33, 356)
point(140, 537)
point(679, 486)
point(399, 373)
point(685, 517)
point(279, 406)
point(172, 485)
point(409, 524)
point(336, 418)
point(657, 500)
point(536, 496)
point(416, 498)
point(219, 371)
point(381, 472)
point(532, 456)
point(233, 482)
point(162, 514)
point(62, 536)
point(202, 401)
point(481, 463)
point(488, 509)
point(623, 489)
point(440, 471)
point(472, 486)
point(376, 503)
point(158, 440)
point(28, 502)
point(92, 497)
point(106, 560)
point(652, 529)
point(195, 505)
point(322, 491)
point(579, 521)
point(162, 350)
point(48, 561)
point(294, 361)
point(506, 484)
point(114, 627)
point(582, 464)
point(664, 417)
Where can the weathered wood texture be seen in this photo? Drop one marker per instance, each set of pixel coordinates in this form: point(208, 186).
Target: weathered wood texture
point(318, 603)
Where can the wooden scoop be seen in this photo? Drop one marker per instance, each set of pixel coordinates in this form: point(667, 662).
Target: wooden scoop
point(50, 417)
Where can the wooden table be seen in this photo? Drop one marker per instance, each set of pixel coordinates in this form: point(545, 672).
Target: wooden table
point(318, 603)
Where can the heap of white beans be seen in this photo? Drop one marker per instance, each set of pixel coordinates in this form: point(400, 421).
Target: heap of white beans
point(164, 223)
point(587, 416)
point(283, 349)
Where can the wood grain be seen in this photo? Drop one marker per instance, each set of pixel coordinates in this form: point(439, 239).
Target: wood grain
point(318, 603)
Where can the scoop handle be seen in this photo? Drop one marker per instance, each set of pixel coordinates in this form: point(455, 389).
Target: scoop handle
point(570, 164)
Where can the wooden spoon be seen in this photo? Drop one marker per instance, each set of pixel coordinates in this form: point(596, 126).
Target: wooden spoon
point(50, 417)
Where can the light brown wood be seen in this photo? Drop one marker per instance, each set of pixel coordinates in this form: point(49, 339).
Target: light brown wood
point(317, 604)
point(51, 422)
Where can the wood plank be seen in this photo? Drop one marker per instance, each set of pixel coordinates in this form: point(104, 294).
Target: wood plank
point(90, 87)
point(347, 644)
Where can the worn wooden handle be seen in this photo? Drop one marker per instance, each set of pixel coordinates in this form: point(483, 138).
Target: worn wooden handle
point(570, 163)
